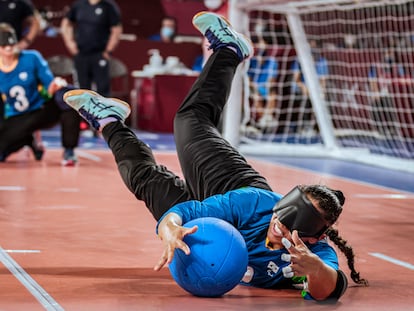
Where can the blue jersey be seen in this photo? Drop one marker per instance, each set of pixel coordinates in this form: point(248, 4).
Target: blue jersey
point(20, 87)
point(250, 210)
point(262, 72)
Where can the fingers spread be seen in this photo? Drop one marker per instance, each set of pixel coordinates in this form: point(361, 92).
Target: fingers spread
point(161, 263)
point(296, 239)
point(286, 257)
point(286, 243)
point(288, 272)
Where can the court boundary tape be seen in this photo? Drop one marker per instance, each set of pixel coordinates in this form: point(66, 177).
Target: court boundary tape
point(27, 281)
point(393, 260)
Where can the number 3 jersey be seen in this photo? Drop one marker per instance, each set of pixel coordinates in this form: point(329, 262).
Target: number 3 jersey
point(21, 88)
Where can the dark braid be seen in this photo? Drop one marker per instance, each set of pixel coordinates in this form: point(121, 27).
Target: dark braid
point(348, 252)
point(331, 201)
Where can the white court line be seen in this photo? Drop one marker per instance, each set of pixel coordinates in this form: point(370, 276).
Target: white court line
point(12, 188)
point(393, 260)
point(385, 196)
point(35, 289)
point(22, 251)
point(87, 155)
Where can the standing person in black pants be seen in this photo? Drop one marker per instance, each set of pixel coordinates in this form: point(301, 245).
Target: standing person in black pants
point(91, 31)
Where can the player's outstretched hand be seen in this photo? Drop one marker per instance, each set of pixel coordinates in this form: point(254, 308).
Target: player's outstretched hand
point(172, 234)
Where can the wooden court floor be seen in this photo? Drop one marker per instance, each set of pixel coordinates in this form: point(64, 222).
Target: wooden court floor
point(76, 239)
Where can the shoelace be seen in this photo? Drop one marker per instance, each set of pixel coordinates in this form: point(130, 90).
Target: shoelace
point(216, 41)
point(90, 118)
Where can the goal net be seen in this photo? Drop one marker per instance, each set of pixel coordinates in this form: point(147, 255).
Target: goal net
point(328, 78)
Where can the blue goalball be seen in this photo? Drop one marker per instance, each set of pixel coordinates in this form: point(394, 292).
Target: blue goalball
point(217, 262)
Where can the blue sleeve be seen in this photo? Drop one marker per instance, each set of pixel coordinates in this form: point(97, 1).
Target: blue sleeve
point(237, 207)
point(155, 37)
point(372, 73)
point(326, 253)
point(322, 67)
point(198, 63)
point(295, 65)
point(44, 73)
point(272, 68)
point(401, 71)
point(275, 68)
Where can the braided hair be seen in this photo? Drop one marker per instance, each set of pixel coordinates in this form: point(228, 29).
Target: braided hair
point(331, 202)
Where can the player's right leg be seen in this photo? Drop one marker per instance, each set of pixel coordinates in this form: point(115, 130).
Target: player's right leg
point(158, 187)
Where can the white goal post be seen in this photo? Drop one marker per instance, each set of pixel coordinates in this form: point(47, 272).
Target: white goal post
point(329, 78)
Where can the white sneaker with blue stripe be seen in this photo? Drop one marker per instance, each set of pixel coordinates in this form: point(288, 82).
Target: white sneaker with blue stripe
point(96, 109)
point(220, 34)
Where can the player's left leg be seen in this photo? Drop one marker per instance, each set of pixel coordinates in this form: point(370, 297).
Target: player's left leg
point(209, 163)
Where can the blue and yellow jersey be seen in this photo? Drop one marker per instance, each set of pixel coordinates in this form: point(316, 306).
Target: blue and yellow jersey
point(250, 211)
point(22, 87)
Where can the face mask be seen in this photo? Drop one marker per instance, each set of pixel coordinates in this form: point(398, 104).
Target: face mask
point(213, 4)
point(7, 38)
point(297, 212)
point(167, 32)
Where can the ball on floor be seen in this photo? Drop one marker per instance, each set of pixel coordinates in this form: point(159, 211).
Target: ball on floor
point(217, 262)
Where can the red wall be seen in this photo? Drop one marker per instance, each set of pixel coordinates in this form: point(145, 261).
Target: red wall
point(140, 17)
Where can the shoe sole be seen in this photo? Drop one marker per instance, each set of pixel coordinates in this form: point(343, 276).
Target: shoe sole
point(206, 12)
point(124, 105)
point(248, 43)
point(69, 163)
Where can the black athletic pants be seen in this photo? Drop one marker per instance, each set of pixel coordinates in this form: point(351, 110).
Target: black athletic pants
point(93, 68)
point(210, 164)
point(16, 132)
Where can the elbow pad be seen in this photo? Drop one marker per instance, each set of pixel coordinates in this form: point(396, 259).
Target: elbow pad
point(341, 286)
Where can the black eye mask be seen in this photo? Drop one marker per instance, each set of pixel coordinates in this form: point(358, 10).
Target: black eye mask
point(297, 212)
point(7, 38)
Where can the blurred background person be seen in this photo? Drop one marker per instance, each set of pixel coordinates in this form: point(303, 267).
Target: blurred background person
point(91, 31)
point(301, 92)
point(33, 100)
point(21, 15)
point(202, 59)
point(168, 30)
point(263, 72)
point(321, 67)
point(387, 78)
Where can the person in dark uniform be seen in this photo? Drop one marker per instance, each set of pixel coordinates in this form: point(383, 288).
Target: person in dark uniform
point(286, 236)
point(91, 31)
point(20, 14)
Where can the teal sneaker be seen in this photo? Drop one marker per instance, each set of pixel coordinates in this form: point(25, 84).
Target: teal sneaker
point(96, 109)
point(220, 34)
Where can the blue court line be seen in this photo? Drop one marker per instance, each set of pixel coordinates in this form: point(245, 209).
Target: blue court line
point(31, 285)
point(393, 260)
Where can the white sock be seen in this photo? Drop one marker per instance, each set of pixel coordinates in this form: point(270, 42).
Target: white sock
point(232, 48)
point(106, 121)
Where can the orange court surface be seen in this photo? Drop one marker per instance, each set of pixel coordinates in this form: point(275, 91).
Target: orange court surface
point(75, 238)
